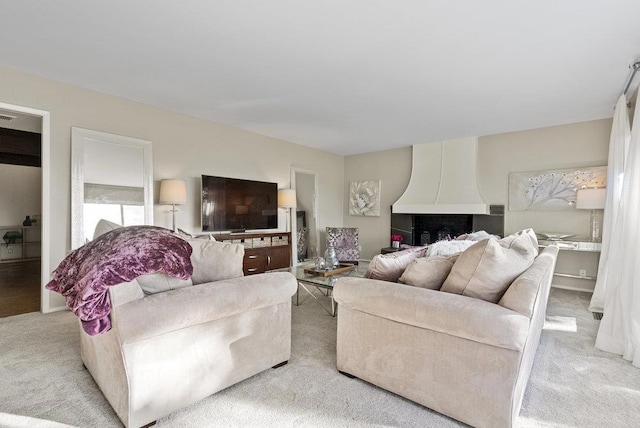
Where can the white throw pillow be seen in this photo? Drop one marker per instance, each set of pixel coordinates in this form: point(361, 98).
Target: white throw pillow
point(487, 268)
point(477, 236)
point(447, 248)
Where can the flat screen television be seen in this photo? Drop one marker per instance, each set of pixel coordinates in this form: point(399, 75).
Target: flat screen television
point(236, 205)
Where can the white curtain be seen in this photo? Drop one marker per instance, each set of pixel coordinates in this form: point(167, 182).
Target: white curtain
point(618, 149)
point(620, 326)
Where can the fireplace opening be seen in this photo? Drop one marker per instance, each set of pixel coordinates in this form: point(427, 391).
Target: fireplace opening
point(425, 229)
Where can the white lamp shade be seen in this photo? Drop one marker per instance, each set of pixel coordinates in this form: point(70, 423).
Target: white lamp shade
point(590, 199)
point(287, 198)
point(173, 192)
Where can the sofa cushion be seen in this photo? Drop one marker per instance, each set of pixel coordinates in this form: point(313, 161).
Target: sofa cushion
point(428, 272)
point(389, 267)
point(215, 261)
point(160, 282)
point(487, 268)
point(104, 226)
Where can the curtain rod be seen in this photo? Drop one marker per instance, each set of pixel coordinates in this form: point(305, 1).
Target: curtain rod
point(634, 68)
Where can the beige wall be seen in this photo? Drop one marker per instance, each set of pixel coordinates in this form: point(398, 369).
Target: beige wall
point(183, 147)
point(393, 168)
point(567, 146)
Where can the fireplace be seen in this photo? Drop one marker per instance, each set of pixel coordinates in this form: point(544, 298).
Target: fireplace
point(424, 229)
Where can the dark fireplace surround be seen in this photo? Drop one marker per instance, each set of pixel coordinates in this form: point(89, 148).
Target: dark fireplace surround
point(424, 229)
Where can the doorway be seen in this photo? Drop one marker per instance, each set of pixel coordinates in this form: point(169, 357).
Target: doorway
point(24, 162)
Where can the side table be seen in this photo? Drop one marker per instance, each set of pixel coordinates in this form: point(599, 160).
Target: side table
point(578, 246)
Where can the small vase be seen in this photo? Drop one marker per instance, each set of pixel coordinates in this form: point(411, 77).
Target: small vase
point(330, 257)
point(27, 221)
point(395, 244)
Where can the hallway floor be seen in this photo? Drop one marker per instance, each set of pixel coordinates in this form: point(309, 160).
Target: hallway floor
point(19, 288)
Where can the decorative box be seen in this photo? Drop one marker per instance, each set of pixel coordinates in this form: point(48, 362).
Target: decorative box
point(280, 240)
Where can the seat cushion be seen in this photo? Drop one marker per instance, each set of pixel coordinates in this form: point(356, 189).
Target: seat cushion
point(486, 269)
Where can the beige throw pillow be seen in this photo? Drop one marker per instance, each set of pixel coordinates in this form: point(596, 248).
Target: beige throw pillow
point(428, 272)
point(180, 233)
point(486, 269)
point(389, 267)
point(104, 226)
point(215, 261)
point(159, 282)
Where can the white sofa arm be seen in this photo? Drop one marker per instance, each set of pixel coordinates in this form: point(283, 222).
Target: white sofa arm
point(176, 309)
point(447, 313)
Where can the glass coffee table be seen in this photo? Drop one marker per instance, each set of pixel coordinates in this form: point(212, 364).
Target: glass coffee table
point(324, 284)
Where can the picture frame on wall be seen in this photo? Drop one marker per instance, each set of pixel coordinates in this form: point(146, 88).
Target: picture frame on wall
point(364, 198)
point(553, 189)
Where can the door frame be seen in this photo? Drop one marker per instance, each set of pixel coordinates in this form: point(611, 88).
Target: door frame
point(45, 157)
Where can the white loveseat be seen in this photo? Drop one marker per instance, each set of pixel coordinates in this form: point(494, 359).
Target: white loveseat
point(167, 350)
point(459, 355)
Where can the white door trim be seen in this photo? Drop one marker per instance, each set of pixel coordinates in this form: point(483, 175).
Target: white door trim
point(46, 198)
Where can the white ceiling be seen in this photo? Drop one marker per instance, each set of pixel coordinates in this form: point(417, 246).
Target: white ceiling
point(345, 76)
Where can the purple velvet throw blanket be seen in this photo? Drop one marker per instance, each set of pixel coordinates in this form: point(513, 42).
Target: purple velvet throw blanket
point(120, 255)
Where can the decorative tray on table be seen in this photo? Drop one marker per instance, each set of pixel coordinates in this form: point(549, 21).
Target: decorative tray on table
point(342, 267)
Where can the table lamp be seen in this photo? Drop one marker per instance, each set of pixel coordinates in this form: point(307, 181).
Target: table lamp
point(287, 200)
point(173, 192)
point(592, 199)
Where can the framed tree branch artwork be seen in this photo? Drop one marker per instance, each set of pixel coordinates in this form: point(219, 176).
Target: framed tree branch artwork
point(554, 189)
point(364, 198)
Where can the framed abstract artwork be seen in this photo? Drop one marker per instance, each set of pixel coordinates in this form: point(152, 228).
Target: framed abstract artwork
point(553, 189)
point(364, 198)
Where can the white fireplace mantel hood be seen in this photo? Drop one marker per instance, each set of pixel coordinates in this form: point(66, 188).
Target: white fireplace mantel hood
point(443, 180)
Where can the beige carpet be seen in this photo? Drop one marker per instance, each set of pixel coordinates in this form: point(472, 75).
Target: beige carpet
point(572, 384)
point(16, 421)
